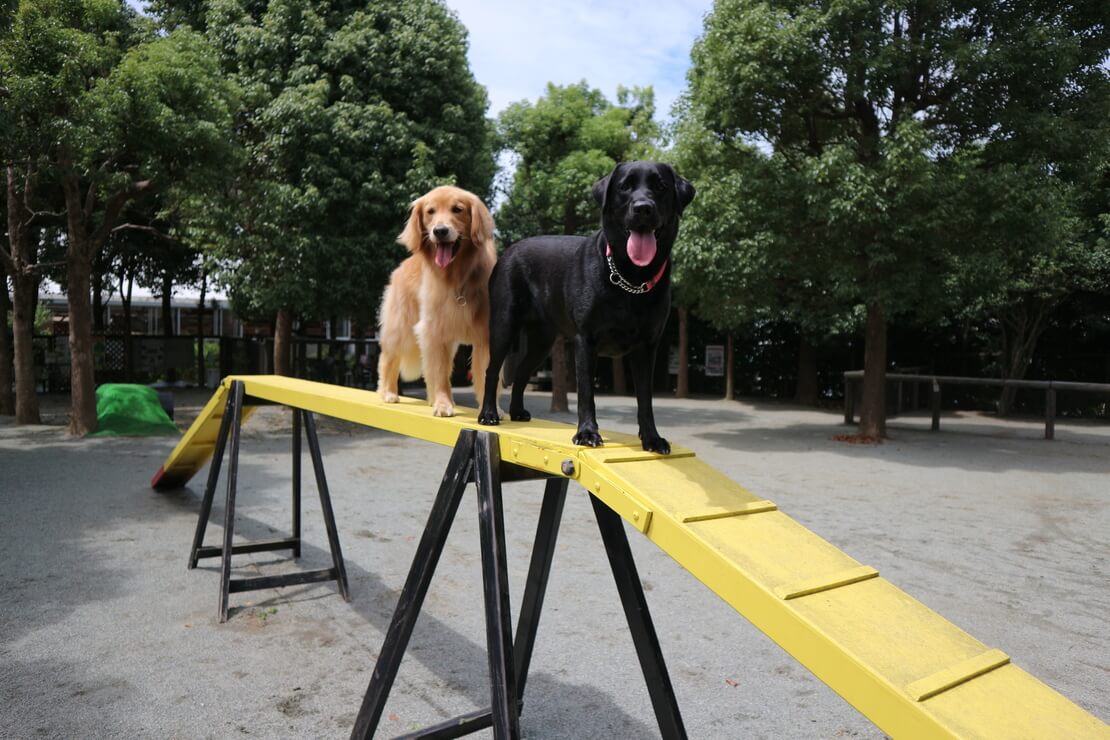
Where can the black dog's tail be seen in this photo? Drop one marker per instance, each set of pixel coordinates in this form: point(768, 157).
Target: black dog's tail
point(516, 355)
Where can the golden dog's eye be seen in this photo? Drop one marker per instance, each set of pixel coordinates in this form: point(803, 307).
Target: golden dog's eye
point(456, 209)
point(431, 211)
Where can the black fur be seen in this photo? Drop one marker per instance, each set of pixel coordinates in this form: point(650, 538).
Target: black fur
point(549, 286)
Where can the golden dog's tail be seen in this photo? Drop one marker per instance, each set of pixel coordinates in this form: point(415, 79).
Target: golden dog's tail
point(410, 365)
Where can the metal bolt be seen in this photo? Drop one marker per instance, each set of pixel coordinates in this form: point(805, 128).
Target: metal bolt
point(568, 467)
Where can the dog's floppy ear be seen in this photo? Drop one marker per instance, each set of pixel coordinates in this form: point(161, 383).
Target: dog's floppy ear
point(481, 222)
point(601, 188)
point(413, 235)
point(683, 190)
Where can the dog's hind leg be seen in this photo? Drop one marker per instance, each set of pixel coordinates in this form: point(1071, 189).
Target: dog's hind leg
point(537, 345)
point(479, 365)
point(643, 365)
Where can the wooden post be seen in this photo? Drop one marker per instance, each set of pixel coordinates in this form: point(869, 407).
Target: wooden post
point(1050, 413)
point(934, 398)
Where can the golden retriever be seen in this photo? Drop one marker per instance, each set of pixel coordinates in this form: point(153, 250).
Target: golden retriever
point(438, 298)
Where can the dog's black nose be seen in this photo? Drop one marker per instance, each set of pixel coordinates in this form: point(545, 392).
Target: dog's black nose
point(643, 208)
point(440, 232)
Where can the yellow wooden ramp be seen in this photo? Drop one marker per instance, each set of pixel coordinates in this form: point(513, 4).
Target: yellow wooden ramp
point(910, 671)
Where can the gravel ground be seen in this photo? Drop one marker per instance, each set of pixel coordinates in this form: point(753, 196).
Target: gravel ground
point(104, 633)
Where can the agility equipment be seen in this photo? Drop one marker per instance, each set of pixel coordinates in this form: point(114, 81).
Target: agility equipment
point(903, 666)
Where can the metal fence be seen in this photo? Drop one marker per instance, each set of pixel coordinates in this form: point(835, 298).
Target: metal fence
point(203, 361)
point(853, 379)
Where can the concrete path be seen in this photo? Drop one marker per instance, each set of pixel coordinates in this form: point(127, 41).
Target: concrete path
point(104, 633)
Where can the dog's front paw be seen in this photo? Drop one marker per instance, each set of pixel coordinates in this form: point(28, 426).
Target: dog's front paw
point(655, 443)
point(520, 415)
point(587, 438)
point(443, 408)
point(389, 396)
point(489, 418)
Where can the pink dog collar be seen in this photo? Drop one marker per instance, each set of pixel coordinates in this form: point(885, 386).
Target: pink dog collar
point(619, 280)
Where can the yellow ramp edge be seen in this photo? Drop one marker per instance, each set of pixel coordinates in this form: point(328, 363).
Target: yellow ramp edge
point(906, 668)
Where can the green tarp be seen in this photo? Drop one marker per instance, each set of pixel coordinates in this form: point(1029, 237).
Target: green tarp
point(126, 410)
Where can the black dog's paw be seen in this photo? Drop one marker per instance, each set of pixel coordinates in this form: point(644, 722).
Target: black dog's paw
point(520, 415)
point(655, 443)
point(587, 438)
point(489, 418)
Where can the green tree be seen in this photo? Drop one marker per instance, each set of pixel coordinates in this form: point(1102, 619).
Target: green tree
point(352, 111)
point(113, 112)
point(564, 142)
point(872, 108)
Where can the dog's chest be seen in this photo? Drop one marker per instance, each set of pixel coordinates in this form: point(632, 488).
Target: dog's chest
point(618, 329)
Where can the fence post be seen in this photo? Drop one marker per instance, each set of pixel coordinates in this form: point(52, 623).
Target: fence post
point(1050, 413)
point(934, 399)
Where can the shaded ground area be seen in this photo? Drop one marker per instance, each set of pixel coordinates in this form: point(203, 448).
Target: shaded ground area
point(103, 631)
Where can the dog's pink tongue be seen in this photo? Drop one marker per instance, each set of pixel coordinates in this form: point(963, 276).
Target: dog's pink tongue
point(641, 247)
point(443, 255)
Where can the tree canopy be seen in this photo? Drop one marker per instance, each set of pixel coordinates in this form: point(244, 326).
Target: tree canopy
point(352, 110)
point(873, 123)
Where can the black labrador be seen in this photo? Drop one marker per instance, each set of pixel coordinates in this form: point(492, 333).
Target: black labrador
point(611, 291)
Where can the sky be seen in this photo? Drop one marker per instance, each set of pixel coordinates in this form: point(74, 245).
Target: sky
point(516, 48)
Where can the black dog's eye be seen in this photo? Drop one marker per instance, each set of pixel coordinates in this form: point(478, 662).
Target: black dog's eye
point(456, 209)
point(626, 186)
point(656, 184)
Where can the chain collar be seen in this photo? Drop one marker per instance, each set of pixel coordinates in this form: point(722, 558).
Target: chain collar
point(619, 280)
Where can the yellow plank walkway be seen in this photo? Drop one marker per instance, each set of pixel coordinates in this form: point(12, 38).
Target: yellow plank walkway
point(910, 671)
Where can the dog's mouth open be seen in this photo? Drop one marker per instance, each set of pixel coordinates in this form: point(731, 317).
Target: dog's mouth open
point(445, 252)
point(641, 247)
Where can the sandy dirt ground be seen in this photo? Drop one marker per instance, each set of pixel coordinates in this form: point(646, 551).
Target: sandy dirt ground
point(104, 632)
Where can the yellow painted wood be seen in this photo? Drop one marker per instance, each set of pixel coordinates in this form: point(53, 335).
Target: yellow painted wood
point(941, 681)
point(755, 507)
point(825, 583)
point(875, 645)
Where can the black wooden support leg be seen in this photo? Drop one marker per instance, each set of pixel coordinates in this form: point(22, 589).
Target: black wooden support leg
point(297, 414)
point(229, 510)
point(213, 479)
point(416, 585)
point(495, 581)
point(535, 588)
point(639, 621)
point(228, 440)
point(325, 504)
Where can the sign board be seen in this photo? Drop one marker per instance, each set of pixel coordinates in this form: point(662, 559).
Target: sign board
point(714, 360)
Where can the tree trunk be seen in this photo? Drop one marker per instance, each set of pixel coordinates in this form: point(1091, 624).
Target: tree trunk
point(683, 389)
point(730, 365)
point(98, 301)
point(7, 377)
point(200, 326)
point(805, 392)
point(128, 344)
point(872, 409)
point(82, 381)
point(168, 328)
point(620, 378)
point(559, 371)
point(20, 264)
point(1022, 328)
point(283, 334)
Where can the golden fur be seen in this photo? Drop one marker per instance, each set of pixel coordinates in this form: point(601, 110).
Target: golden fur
point(429, 310)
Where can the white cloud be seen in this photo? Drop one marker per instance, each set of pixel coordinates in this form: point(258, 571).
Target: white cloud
point(516, 48)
